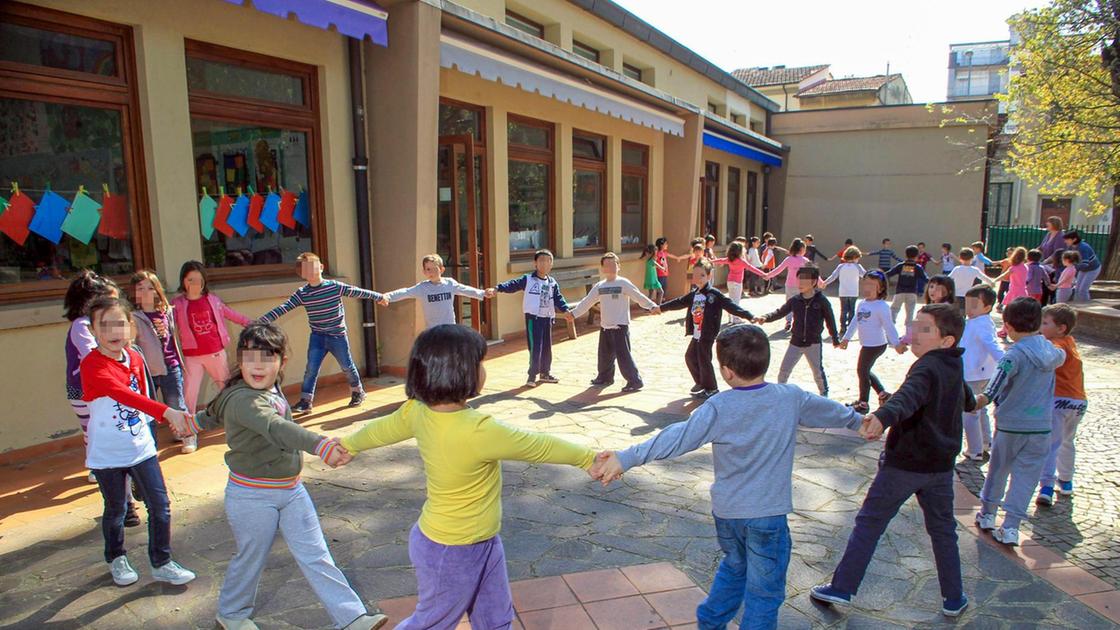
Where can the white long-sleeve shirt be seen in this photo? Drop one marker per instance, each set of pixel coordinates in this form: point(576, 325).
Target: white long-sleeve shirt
point(613, 297)
point(849, 274)
point(874, 323)
point(436, 300)
point(981, 351)
point(964, 276)
point(752, 257)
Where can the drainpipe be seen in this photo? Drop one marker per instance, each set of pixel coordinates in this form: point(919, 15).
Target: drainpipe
point(361, 193)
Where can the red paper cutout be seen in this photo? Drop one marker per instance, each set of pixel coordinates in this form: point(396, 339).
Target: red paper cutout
point(114, 216)
point(288, 201)
point(221, 216)
point(256, 204)
point(15, 220)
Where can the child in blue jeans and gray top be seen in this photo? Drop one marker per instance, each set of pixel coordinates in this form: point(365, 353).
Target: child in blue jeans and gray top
point(1023, 391)
point(752, 492)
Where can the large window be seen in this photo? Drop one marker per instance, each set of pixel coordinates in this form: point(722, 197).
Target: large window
point(999, 203)
point(255, 141)
point(635, 195)
point(589, 176)
point(632, 71)
point(711, 198)
point(524, 24)
point(531, 161)
point(732, 222)
point(752, 205)
point(586, 51)
point(70, 142)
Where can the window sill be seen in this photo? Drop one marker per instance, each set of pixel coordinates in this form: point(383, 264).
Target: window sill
point(575, 262)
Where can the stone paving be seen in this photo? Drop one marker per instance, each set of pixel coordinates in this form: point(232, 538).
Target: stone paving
point(555, 521)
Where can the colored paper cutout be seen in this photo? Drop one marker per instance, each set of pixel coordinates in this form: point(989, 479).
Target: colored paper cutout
point(3, 204)
point(17, 217)
point(239, 215)
point(83, 219)
point(49, 215)
point(287, 209)
point(270, 215)
point(256, 204)
point(114, 216)
point(221, 216)
point(206, 210)
point(302, 213)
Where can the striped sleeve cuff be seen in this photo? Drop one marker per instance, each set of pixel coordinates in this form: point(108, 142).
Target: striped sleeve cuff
point(192, 423)
point(326, 447)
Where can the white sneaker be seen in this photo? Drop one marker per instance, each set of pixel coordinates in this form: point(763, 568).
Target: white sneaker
point(92, 477)
point(237, 624)
point(1007, 535)
point(986, 522)
point(172, 572)
point(190, 444)
point(122, 571)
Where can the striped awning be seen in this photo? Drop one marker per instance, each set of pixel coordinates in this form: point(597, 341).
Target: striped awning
point(353, 18)
point(730, 145)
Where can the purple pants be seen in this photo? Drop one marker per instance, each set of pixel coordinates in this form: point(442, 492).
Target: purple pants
point(454, 580)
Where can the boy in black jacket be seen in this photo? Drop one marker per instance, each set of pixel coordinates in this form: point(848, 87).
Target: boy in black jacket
point(924, 417)
point(811, 313)
point(705, 305)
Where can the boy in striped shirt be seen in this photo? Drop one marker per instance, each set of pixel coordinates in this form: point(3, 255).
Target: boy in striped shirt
point(322, 299)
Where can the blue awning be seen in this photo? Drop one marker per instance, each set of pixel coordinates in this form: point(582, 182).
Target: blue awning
point(352, 18)
point(734, 147)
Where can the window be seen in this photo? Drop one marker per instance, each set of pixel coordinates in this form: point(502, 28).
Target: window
point(999, 203)
point(713, 107)
point(457, 119)
point(524, 24)
point(732, 221)
point(589, 53)
point(255, 140)
point(757, 126)
point(711, 198)
point(531, 161)
point(751, 228)
point(635, 205)
point(68, 119)
point(589, 175)
point(738, 119)
point(634, 72)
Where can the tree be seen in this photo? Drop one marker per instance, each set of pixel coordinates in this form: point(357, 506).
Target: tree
point(1064, 104)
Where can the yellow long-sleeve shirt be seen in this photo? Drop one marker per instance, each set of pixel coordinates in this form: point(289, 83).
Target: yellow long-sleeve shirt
point(462, 453)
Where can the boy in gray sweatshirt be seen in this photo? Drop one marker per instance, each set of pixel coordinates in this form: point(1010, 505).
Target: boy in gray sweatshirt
point(1023, 391)
point(753, 455)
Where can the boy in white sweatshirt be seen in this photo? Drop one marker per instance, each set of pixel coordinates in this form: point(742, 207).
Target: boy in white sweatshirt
point(981, 354)
point(849, 272)
point(965, 275)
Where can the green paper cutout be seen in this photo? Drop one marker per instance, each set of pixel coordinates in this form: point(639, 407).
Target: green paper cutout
point(83, 218)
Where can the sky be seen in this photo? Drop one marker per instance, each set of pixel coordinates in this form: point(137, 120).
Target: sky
point(857, 37)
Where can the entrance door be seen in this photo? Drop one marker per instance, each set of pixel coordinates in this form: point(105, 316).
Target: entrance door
point(461, 225)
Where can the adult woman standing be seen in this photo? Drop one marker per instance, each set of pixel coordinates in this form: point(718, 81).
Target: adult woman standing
point(1087, 270)
point(1052, 246)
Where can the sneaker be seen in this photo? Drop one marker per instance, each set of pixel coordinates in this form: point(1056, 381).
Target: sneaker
point(1007, 535)
point(696, 389)
point(172, 572)
point(122, 572)
point(708, 394)
point(357, 398)
point(371, 621)
point(1065, 488)
point(131, 518)
point(974, 457)
point(190, 444)
point(303, 406)
point(826, 594)
point(631, 387)
point(954, 607)
point(531, 383)
point(548, 378)
point(860, 407)
point(986, 522)
point(1045, 496)
point(237, 624)
point(92, 477)
point(601, 383)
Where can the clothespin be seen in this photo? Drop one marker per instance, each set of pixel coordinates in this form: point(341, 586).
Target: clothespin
point(81, 189)
point(239, 192)
point(221, 191)
point(251, 191)
point(203, 191)
point(105, 189)
point(15, 189)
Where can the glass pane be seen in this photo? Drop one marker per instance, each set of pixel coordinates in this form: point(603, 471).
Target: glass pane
point(633, 155)
point(443, 204)
point(529, 135)
point(231, 80)
point(65, 146)
point(633, 209)
point(732, 216)
point(235, 155)
point(587, 52)
point(632, 72)
point(37, 47)
point(528, 205)
point(587, 206)
point(590, 147)
point(460, 121)
point(524, 25)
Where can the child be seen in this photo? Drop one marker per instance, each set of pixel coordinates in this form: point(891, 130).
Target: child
point(791, 264)
point(115, 384)
point(202, 335)
point(736, 269)
point(438, 292)
point(752, 492)
point(965, 275)
point(662, 257)
point(653, 270)
point(541, 302)
point(811, 251)
point(924, 418)
point(455, 547)
point(981, 354)
point(923, 257)
point(947, 259)
point(1058, 322)
point(906, 290)
point(811, 312)
point(326, 315)
point(1002, 278)
point(1089, 267)
point(696, 256)
point(876, 331)
point(978, 257)
point(754, 258)
point(769, 262)
point(840, 254)
point(940, 290)
point(264, 492)
point(155, 335)
point(1023, 391)
point(1036, 274)
point(613, 296)
point(1064, 287)
point(849, 273)
point(1013, 280)
point(705, 306)
point(886, 255)
point(709, 247)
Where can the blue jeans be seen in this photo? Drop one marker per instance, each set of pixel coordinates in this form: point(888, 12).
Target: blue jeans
point(149, 479)
point(752, 573)
point(1083, 283)
point(171, 385)
point(317, 348)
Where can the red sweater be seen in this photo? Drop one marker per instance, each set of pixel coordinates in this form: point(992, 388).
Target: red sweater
point(102, 376)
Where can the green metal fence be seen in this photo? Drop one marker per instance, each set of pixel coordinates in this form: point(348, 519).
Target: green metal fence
point(1000, 237)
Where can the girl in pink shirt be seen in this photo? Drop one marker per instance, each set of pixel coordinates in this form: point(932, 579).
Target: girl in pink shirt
point(736, 268)
point(1016, 275)
point(790, 265)
point(1064, 287)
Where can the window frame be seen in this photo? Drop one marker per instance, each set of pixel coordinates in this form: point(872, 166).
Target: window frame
point(750, 216)
point(535, 155)
point(580, 163)
point(517, 17)
point(69, 87)
point(577, 45)
point(642, 171)
point(712, 184)
point(306, 119)
point(734, 191)
point(629, 69)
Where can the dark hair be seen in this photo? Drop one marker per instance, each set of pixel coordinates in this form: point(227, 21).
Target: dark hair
point(911, 251)
point(1073, 235)
point(649, 251)
point(1055, 222)
point(771, 241)
point(443, 364)
point(948, 246)
point(947, 283)
point(886, 240)
point(709, 237)
point(1023, 315)
point(796, 247)
point(703, 263)
point(660, 241)
point(949, 321)
point(106, 302)
point(696, 241)
point(1034, 255)
point(753, 239)
point(849, 241)
point(189, 266)
point(734, 250)
point(1063, 315)
point(744, 349)
point(921, 243)
point(266, 336)
point(809, 271)
point(881, 278)
point(966, 253)
point(609, 256)
point(985, 294)
point(1072, 255)
point(85, 287)
point(808, 237)
point(542, 252)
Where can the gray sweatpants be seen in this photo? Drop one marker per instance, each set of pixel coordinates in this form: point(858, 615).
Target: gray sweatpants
point(909, 300)
point(977, 426)
point(1019, 456)
point(254, 515)
point(814, 355)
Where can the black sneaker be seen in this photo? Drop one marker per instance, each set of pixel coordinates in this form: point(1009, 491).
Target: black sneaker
point(632, 387)
point(303, 406)
point(532, 382)
point(547, 378)
point(357, 398)
point(600, 383)
point(695, 390)
point(708, 394)
point(131, 518)
point(860, 406)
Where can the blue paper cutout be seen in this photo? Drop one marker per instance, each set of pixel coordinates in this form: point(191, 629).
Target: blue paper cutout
point(49, 215)
point(270, 214)
point(239, 215)
point(302, 213)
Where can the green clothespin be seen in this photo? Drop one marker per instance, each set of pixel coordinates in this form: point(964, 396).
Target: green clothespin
point(15, 189)
point(81, 189)
point(239, 192)
point(251, 191)
point(221, 191)
point(105, 189)
point(203, 191)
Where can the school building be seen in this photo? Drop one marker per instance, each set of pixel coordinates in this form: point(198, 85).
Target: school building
point(244, 132)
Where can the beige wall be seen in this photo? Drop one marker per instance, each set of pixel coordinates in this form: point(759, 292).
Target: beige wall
point(35, 410)
point(849, 99)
